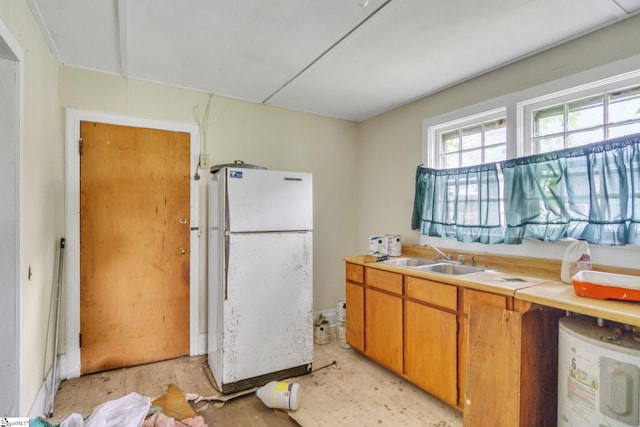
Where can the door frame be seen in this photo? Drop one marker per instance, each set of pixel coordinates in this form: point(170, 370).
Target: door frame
point(70, 362)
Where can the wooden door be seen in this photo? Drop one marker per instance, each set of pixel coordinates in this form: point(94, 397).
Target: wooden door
point(354, 291)
point(383, 328)
point(430, 350)
point(355, 315)
point(134, 245)
point(471, 297)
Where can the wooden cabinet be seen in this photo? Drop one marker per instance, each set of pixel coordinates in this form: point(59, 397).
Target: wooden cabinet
point(493, 357)
point(355, 306)
point(383, 318)
point(430, 347)
point(512, 367)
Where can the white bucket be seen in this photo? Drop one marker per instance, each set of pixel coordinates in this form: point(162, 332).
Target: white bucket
point(341, 334)
point(322, 333)
point(341, 310)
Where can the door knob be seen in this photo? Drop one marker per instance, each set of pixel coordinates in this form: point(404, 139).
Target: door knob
point(183, 220)
point(182, 251)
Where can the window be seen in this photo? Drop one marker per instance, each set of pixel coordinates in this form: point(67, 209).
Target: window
point(474, 145)
point(470, 141)
point(583, 121)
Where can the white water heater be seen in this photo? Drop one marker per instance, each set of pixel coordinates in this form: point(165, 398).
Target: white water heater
point(598, 374)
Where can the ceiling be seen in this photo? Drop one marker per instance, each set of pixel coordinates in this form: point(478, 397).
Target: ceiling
point(351, 59)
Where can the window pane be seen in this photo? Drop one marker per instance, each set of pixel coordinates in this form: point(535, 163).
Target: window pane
point(582, 138)
point(451, 161)
point(495, 132)
point(586, 113)
point(450, 142)
point(615, 131)
point(624, 105)
point(470, 158)
point(497, 153)
point(548, 121)
point(472, 137)
point(546, 145)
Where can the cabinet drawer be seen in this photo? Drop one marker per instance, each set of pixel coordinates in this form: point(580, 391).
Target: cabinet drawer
point(483, 298)
point(432, 292)
point(355, 273)
point(386, 280)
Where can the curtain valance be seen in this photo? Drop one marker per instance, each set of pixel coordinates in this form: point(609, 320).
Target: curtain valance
point(590, 192)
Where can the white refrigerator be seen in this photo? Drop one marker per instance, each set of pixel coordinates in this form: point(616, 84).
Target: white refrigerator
point(260, 291)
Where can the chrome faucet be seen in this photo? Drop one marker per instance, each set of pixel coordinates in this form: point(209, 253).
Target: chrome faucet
point(440, 254)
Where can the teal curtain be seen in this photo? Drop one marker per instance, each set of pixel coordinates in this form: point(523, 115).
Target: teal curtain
point(464, 203)
point(589, 192)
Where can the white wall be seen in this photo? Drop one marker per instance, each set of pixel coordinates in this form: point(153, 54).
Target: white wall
point(42, 197)
point(390, 144)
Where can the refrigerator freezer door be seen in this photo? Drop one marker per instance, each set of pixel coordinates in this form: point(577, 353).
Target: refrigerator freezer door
point(268, 318)
point(266, 200)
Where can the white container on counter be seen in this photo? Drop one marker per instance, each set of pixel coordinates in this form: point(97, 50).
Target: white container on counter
point(394, 244)
point(577, 257)
point(378, 245)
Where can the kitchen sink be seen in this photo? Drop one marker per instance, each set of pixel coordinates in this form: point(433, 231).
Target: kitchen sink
point(410, 262)
point(451, 269)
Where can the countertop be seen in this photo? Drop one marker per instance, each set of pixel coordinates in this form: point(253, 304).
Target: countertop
point(561, 295)
point(551, 293)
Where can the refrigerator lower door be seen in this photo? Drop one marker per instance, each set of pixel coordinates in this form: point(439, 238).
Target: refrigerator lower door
point(267, 314)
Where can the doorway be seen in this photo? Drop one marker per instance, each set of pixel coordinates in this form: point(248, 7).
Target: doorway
point(10, 227)
point(70, 364)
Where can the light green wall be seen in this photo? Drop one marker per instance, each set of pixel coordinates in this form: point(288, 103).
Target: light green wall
point(390, 144)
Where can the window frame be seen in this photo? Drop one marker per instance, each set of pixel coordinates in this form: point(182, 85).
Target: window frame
point(598, 87)
point(435, 132)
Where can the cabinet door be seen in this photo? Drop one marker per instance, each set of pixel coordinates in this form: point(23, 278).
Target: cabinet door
point(355, 316)
point(517, 361)
point(383, 333)
point(472, 297)
point(430, 350)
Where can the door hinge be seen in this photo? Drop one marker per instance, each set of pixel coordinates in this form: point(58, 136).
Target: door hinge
point(80, 146)
point(80, 339)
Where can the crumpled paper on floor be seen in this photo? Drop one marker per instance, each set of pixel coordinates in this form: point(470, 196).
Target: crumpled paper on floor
point(128, 411)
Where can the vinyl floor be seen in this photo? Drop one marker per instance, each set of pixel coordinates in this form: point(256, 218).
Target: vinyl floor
point(345, 388)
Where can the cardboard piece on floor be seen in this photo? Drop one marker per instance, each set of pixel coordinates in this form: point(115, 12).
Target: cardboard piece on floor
point(174, 404)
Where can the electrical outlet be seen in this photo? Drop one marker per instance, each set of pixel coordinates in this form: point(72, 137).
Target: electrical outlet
point(204, 160)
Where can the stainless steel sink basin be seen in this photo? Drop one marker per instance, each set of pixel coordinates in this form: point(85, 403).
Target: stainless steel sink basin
point(410, 262)
point(451, 269)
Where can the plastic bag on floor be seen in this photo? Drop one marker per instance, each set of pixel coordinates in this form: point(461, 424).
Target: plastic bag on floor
point(128, 411)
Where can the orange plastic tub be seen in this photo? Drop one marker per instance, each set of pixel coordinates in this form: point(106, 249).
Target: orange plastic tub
point(599, 285)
